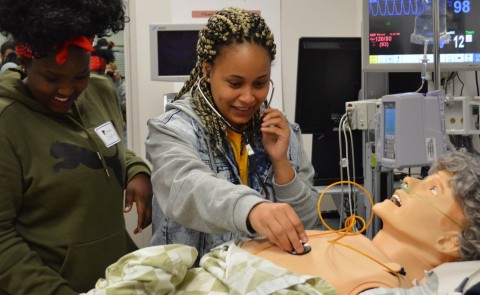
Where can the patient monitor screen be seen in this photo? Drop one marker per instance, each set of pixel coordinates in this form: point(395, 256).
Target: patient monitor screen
point(397, 31)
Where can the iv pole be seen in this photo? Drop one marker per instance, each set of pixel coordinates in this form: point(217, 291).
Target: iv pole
point(436, 43)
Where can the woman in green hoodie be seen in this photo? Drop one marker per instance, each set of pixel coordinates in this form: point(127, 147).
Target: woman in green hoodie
point(64, 169)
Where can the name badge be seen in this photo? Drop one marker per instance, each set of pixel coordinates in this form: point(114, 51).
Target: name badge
point(108, 134)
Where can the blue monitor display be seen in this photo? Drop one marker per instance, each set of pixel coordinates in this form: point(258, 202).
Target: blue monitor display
point(397, 33)
point(389, 133)
point(390, 121)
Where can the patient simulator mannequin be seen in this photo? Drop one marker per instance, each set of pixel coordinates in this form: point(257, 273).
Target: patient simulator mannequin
point(424, 226)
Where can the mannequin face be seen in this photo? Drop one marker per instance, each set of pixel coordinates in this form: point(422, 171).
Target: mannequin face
point(57, 86)
point(415, 213)
point(239, 81)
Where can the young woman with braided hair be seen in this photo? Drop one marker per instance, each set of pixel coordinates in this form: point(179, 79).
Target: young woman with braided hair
point(225, 164)
point(64, 170)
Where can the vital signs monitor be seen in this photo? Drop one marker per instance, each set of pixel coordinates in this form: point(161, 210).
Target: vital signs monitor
point(410, 129)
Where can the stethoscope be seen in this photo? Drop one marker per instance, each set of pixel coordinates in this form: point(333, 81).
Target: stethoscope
point(249, 148)
point(267, 105)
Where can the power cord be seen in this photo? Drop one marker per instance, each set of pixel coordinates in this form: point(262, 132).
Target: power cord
point(349, 204)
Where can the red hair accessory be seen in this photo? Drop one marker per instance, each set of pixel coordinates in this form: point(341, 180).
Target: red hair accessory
point(80, 41)
point(23, 51)
point(62, 55)
point(97, 63)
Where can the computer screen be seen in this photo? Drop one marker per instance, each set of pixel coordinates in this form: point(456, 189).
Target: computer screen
point(396, 34)
point(328, 75)
point(173, 51)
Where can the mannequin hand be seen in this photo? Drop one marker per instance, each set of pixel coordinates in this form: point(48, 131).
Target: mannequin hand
point(139, 190)
point(275, 134)
point(279, 223)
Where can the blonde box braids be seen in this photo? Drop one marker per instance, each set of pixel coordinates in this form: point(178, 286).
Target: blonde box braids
point(226, 27)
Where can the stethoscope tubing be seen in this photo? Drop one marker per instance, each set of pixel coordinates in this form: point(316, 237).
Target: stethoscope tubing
point(217, 113)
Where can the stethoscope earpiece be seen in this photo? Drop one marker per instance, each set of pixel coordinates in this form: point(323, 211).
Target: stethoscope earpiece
point(267, 103)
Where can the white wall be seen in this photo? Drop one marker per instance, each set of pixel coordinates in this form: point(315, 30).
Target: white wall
point(299, 18)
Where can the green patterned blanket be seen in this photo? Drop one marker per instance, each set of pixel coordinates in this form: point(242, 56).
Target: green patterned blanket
point(227, 269)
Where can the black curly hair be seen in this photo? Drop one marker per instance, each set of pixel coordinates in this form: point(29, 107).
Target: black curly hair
point(43, 24)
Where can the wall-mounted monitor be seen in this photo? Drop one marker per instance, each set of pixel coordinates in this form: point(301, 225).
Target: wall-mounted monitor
point(173, 51)
point(329, 74)
point(394, 34)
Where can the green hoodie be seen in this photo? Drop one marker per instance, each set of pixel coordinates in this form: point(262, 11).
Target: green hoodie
point(61, 190)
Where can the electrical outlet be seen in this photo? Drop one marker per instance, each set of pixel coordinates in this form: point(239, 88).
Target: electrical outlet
point(350, 108)
point(361, 113)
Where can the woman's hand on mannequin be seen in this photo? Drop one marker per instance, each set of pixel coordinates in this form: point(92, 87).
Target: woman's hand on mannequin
point(139, 190)
point(279, 223)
